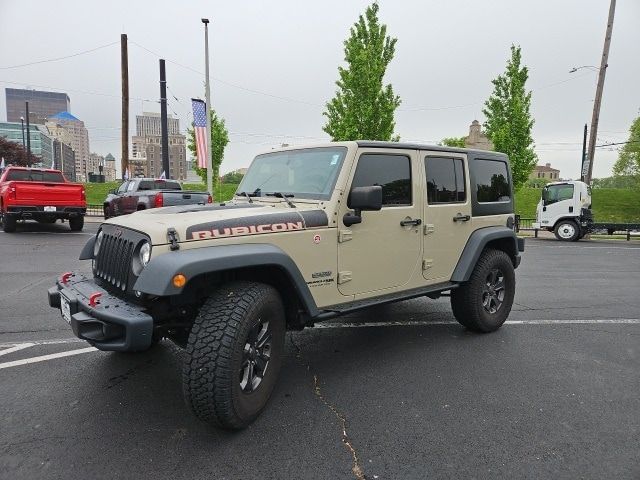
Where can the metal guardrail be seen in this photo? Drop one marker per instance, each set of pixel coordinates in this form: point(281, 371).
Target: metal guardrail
point(94, 210)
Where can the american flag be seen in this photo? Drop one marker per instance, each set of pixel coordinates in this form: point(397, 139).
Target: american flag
point(200, 128)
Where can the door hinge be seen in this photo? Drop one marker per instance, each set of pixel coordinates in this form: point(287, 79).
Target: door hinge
point(344, 277)
point(429, 228)
point(345, 236)
point(427, 263)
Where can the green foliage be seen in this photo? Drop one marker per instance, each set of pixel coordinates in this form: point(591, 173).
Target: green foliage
point(536, 182)
point(459, 142)
point(363, 107)
point(219, 141)
point(232, 177)
point(508, 120)
point(628, 163)
point(608, 204)
point(620, 181)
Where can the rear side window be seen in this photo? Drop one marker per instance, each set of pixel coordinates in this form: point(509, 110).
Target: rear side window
point(158, 185)
point(391, 172)
point(492, 181)
point(445, 180)
point(35, 176)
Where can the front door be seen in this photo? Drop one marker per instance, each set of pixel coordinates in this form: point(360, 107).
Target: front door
point(447, 213)
point(384, 251)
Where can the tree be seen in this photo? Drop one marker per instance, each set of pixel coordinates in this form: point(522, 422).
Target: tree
point(459, 142)
point(363, 108)
point(232, 177)
point(14, 154)
point(508, 120)
point(628, 163)
point(219, 141)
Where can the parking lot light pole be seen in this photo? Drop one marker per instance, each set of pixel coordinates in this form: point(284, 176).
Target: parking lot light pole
point(22, 123)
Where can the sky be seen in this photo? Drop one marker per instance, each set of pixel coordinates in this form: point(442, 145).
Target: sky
point(274, 66)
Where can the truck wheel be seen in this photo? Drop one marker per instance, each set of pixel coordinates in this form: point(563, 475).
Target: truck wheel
point(76, 224)
point(567, 231)
point(234, 354)
point(483, 303)
point(8, 223)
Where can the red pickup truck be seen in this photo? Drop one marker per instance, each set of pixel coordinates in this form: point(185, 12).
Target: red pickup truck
point(40, 194)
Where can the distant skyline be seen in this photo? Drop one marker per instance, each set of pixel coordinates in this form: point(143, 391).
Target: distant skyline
point(274, 66)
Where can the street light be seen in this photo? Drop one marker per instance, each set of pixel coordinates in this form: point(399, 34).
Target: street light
point(22, 123)
point(595, 69)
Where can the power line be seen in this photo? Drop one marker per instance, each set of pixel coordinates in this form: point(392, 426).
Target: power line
point(84, 92)
point(60, 58)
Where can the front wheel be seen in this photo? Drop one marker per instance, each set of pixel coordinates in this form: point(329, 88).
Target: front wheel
point(483, 303)
point(567, 231)
point(234, 354)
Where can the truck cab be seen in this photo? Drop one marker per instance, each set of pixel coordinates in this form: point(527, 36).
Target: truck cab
point(565, 209)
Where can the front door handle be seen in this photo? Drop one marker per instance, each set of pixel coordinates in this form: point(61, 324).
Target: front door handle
point(410, 223)
point(461, 218)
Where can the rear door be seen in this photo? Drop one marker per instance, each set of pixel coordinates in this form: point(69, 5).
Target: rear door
point(447, 213)
point(380, 253)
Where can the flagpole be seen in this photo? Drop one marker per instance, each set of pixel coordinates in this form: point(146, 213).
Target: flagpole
point(208, 109)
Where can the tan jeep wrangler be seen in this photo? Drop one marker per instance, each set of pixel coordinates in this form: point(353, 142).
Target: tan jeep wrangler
point(312, 233)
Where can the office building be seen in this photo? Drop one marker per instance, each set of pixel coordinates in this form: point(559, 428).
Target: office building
point(42, 105)
point(41, 141)
point(70, 129)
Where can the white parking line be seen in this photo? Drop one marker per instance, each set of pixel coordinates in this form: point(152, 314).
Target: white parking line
point(574, 247)
point(426, 323)
point(57, 341)
point(15, 348)
point(44, 358)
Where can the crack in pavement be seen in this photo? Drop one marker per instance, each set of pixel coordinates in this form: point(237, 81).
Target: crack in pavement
point(356, 468)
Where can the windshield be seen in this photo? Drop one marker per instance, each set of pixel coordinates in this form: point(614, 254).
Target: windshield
point(307, 173)
point(557, 193)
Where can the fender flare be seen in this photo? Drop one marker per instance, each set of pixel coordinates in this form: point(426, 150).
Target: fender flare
point(156, 278)
point(476, 244)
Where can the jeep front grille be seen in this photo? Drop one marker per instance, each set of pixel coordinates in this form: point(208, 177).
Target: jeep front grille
point(113, 263)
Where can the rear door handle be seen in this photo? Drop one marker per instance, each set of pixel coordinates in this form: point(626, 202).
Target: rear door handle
point(461, 218)
point(408, 223)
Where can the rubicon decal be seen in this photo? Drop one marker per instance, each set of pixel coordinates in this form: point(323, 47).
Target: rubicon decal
point(259, 224)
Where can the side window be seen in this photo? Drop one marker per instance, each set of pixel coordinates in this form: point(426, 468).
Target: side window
point(392, 172)
point(492, 180)
point(445, 180)
point(131, 186)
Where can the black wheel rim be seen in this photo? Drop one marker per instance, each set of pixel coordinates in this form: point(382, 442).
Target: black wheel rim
point(493, 292)
point(255, 357)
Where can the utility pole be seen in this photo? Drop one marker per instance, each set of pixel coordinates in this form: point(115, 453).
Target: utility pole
point(583, 174)
point(28, 133)
point(208, 107)
point(598, 100)
point(22, 123)
point(124, 69)
point(163, 119)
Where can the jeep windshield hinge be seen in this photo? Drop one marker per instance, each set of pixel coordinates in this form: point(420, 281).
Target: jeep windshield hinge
point(172, 239)
point(429, 228)
point(345, 236)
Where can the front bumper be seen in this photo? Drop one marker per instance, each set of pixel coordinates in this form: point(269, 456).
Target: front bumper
point(110, 324)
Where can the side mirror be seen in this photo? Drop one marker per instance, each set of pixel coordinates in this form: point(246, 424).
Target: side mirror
point(362, 199)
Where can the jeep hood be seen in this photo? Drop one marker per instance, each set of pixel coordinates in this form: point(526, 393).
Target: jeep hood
point(231, 219)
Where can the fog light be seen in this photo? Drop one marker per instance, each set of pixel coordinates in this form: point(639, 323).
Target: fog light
point(179, 280)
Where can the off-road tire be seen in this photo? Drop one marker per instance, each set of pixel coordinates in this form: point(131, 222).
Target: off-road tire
point(76, 224)
point(467, 300)
point(212, 369)
point(9, 223)
point(563, 231)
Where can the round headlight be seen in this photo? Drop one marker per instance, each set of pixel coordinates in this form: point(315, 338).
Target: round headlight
point(98, 243)
point(145, 254)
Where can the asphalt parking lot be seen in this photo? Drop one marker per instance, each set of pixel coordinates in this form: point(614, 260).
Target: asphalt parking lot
point(396, 392)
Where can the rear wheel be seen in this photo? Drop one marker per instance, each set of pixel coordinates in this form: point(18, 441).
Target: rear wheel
point(483, 303)
point(9, 223)
point(234, 354)
point(76, 224)
point(567, 231)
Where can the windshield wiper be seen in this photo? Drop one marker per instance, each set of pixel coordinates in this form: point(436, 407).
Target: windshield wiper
point(283, 196)
point(246, 194)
